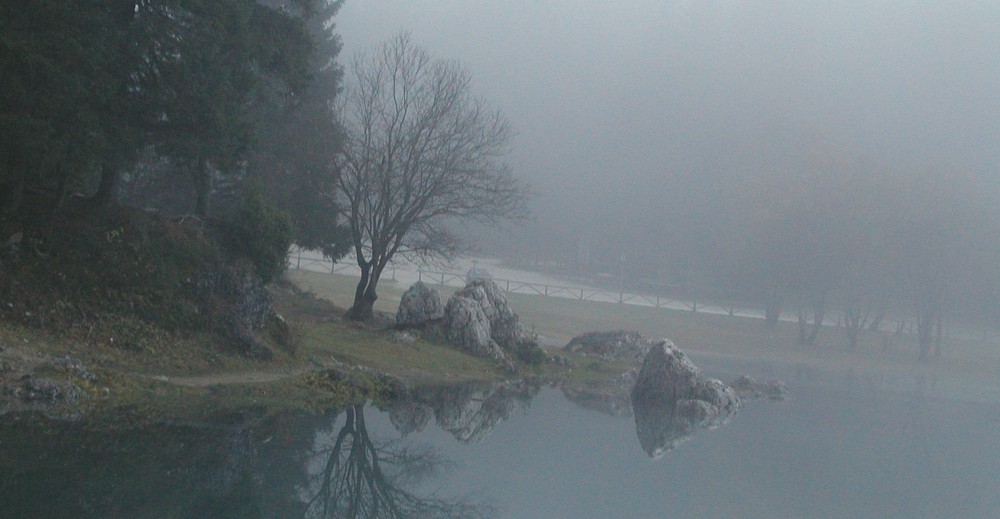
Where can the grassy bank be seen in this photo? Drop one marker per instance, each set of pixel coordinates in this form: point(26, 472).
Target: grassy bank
point(561, 319)
point(333, 361)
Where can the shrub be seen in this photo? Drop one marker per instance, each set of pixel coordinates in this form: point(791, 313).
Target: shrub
point(260, 232)
point(528, 352)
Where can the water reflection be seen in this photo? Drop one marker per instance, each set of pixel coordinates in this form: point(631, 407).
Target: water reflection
point(243, 465)
point(469, 413)
point(362, 478)
point(833, 452)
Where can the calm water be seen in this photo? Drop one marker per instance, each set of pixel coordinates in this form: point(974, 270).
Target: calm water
point(840, 446)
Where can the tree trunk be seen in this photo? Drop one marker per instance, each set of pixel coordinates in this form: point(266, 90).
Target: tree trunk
point(107, 190)
point(60, 199)
point(819, 309)
point(877, 321)
point(937, 337)
point(772, 310)
point(925, 332)
point(852, 338)
point(13, 197)
point(203, 187)
point(853, 323)
point(802, 327)
point(365, 295)
point(361, 310)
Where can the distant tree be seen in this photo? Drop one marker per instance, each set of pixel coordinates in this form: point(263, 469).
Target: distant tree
point(421, 153)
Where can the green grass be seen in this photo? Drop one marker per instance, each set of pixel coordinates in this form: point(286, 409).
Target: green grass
point(418, 362)
point(561, 319)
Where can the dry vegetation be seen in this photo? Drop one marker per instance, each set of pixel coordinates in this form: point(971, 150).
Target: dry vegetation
point(561, 319)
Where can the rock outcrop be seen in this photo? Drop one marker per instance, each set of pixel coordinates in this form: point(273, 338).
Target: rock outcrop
point(468, 327)
point(419, 304)
point(477, 319)
point(615, 345)
point(671, 400)
point(52, 386)
point(239, 305)
point(505, 326)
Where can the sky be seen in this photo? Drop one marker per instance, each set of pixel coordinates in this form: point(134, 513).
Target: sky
point(653, 100)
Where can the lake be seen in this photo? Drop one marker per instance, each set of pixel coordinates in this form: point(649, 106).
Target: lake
point(841, 445)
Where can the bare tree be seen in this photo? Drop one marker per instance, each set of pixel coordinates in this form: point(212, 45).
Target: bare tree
point(363, 478)
point(421, 153)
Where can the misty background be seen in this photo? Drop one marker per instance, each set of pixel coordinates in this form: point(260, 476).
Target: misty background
point(698, 144)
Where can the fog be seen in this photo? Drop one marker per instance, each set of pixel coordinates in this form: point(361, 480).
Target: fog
point(675, 138)
point(611, 99)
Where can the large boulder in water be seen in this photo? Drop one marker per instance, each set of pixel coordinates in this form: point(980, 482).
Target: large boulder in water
point(419, 304)
point(618, 344)
point(666, 373)
point(671, 400)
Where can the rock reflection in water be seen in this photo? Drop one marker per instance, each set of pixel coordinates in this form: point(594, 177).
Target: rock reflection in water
point(469, 413)
point(671, 400)
point(363, 478)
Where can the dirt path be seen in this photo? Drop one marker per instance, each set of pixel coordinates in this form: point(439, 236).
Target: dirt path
point(216, 379)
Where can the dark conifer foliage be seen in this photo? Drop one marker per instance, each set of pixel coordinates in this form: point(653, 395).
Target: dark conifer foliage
point(210, 95)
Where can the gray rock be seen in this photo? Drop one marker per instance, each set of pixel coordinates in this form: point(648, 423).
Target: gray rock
point(74, 367)
point(618, 344)
point(671, 400)
point(468, 327)
point(505, 326)
point(419, 304)
point(694, 412)
point(666, 373)
point(477, 273)
point(37, 389)
point(240, 305)
point(479, 320)
point(749, 388)
point(721, 397)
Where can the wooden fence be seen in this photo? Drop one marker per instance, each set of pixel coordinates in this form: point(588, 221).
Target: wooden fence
point(458, 279)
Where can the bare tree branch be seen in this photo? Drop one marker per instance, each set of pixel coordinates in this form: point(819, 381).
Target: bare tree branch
point(421, 152)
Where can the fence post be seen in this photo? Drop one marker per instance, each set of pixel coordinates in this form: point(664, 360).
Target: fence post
point(508, 286)
point(420, 275)
point(298, 259)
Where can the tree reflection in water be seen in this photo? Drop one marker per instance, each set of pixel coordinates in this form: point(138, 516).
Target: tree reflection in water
point(361, 478)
